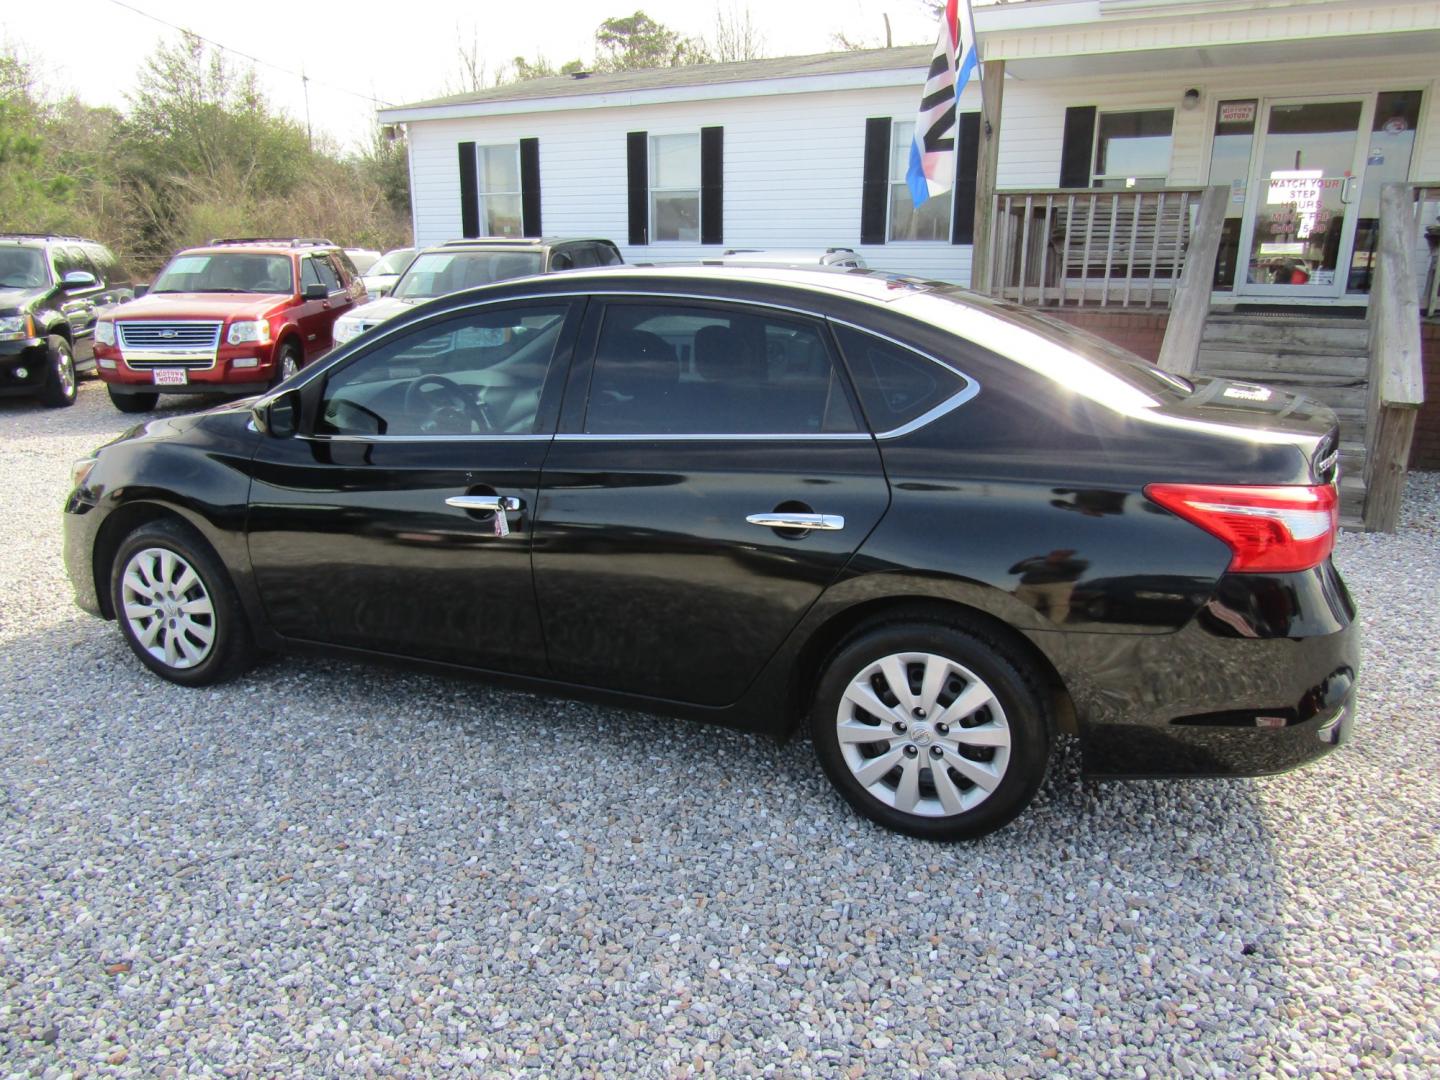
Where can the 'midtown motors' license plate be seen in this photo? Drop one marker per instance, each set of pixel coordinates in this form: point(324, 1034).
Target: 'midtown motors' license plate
point(171, 376)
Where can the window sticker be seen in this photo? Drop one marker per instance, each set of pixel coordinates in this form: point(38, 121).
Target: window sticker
point(1237, 112)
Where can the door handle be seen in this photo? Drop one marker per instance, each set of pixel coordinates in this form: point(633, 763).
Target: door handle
point(485, 502)
point(1347, 190)
point(830, 522)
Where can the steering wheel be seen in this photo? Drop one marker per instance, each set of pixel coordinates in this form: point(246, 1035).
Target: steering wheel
point(442, 402)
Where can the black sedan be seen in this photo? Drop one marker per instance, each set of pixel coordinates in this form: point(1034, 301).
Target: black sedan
point(940, 529)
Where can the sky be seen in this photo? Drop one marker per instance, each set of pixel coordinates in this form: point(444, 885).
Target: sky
point(396, 53)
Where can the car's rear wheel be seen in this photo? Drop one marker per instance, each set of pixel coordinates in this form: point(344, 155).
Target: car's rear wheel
point(60, 383)
point(133, 403)
point(935, 730)
point(177, 607)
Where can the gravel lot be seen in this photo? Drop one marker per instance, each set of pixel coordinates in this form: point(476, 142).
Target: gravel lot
point(325, 868)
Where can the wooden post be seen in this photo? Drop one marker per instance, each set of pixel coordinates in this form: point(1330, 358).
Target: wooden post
point(1397, 383)
point(992, 91)
point(1190, 298)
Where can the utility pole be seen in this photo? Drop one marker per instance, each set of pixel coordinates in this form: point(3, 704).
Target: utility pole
point(305, 85)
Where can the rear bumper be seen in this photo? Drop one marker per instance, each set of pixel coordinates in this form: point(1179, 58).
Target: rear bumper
point(1261, 681)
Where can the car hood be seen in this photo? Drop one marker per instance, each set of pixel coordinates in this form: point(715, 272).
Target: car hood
point(14, 301)
point(229, 416)
point(377, 311)
point(201, 306)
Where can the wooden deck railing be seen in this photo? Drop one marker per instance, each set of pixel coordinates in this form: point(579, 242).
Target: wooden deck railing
point(1427, 218)
point(1090, 247)
point(1397, 383)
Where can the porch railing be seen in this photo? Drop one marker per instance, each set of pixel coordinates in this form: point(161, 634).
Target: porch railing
point(1090, 247)
point(1397, 382)
point(1427, 220)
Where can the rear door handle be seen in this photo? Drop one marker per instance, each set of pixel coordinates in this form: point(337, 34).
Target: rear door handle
point(830, 522)
point(485, 502)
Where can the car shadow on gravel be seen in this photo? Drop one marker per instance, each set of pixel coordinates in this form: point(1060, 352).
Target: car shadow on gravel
point(1105, 918)
point(104, 420)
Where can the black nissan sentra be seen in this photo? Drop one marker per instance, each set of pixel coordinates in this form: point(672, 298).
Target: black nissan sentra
point(936, 529)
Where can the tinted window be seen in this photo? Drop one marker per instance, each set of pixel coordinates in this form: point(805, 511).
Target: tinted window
point(327, 273)
point(21, 267)
point(608, 256)
point(682, 370)
point(66, 260)
point(480, 374)
point(895, 384)
point(309, 275)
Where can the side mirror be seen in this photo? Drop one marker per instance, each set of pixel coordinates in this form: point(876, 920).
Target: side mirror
point(140, 290)
point(315, 291)
point(278, 417)
point(79, 279)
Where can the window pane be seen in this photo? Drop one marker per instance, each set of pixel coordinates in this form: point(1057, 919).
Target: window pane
point(234, 272)
point(477, 375)
point(676, 215)
point(438, 273)
point(695, 371)
point(500, 168)
point(1134, 143)
point(901, 136)
point(930, 222)
point(675, 161)
point(501, 215)
point(327, 273)
point(895, 385)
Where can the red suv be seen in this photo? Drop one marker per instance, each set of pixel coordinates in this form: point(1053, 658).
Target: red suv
point(234, 317)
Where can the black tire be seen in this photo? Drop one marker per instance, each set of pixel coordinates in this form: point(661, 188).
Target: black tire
point(184, 623)
point(288, 357)
point(1016, 711)
point(61, 383)
point(133, 403)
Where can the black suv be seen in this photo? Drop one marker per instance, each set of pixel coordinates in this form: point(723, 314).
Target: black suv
point(51, 291)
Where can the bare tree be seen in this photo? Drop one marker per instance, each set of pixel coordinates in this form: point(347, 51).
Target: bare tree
point(472, 74)
point(735, 37)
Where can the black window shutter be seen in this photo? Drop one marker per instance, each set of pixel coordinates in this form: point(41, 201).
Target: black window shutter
point(530, 187)
point(1076, 149)
point(875, 188)
point(469, 192)
point(712, 185)
point(637, 163)
point(967, 160)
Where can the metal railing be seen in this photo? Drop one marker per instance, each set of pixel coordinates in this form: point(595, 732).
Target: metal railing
point(1090, 247)
point(1427, 220)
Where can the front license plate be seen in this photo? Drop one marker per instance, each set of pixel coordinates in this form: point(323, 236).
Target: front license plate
point(171, 376)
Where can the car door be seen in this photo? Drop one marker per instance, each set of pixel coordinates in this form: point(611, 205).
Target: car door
point(381, 526)
point(77, 304)
point(317, 326)
point(693, 433)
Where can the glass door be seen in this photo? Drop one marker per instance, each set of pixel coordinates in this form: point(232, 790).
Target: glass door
point(1299, 224)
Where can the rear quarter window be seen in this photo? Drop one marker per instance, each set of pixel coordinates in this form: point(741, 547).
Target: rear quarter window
point(897, 385)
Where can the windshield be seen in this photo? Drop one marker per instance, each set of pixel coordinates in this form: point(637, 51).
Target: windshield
point(227, 272)
point(438, 273)
point(394, 262)
point(22, 268)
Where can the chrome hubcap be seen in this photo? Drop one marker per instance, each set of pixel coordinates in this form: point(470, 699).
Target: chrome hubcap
point(167, 608)
point(67, 374)
point(288, 366)
point(923, 734)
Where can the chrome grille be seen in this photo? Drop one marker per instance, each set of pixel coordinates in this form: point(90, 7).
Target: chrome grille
point(152, 344)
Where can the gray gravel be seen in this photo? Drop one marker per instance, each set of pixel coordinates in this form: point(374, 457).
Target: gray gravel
point(327, 869)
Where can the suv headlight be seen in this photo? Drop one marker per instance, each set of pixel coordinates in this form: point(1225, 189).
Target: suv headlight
point(104, 332)
point(13, 327)
point(257, 330)
point(345, 329)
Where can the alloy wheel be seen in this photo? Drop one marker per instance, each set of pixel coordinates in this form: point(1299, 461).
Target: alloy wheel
point(65, 373)
point(168, 608)
point(923, 734)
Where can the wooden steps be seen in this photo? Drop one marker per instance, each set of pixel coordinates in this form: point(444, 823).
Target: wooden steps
point(1321, 357)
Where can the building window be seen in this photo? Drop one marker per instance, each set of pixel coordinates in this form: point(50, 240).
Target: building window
point(932, 220)
point(675, 187)
point(500, 210)
point(1132, 149)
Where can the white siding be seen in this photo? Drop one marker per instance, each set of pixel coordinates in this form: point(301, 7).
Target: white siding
point(794, 162)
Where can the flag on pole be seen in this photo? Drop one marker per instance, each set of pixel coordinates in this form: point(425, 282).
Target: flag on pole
point(932, 151)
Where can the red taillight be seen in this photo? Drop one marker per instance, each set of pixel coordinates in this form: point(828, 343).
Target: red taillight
point(1268, 529)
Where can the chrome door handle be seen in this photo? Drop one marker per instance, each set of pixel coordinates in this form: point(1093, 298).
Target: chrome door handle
point(485, 502)
point(831, 522)
point(1347, 190)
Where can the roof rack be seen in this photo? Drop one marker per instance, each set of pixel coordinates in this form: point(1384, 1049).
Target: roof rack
point(44, 236)
point(280, 241)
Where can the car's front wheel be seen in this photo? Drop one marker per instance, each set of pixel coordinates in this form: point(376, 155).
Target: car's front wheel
point(286, 364)
point(60, 386)
point(936, 730)
point(177, 607)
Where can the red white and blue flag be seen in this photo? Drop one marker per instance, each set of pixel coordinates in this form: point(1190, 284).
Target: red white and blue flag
point(932, 151)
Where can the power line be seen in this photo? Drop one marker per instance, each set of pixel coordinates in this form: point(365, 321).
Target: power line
point(304, 79)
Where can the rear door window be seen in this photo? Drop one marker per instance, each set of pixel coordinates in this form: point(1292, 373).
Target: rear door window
point(724, 371)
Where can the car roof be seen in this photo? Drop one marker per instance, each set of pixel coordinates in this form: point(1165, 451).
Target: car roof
point(252, 249)
point(520, 243)
point(873, 285)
